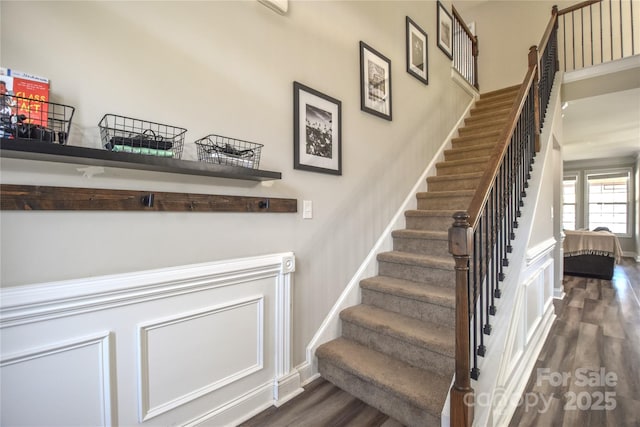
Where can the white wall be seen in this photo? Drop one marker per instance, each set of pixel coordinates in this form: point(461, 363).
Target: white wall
point(226, 68)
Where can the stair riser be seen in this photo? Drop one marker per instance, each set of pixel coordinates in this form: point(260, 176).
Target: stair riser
point(422, 310)
point(468, 154)
point(455, 184)
point(469, 167)
point(421, 246)
point(413, 354)
point(388, 403)
point(435, 223)
point(444, 203)
point(416, 273)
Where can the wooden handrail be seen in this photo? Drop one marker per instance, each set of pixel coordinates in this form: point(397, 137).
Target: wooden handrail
point(462, 23)
point(577, 6)
point(550, 28)
point(491, 171)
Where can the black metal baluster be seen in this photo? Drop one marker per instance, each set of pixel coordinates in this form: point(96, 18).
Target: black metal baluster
point(475, 372)
point(494, 246)
point(481, 348)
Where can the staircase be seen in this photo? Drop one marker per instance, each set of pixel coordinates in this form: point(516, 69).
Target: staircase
point(396, 351)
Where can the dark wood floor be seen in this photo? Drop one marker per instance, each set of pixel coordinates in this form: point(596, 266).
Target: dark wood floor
point(597, 331)
point(595, 344)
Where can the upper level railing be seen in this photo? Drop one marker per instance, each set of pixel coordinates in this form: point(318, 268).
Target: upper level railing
point(598, 31)
point(480, 238)
point(465, 50)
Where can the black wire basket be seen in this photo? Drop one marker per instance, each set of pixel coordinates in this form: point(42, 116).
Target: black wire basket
point(229, 151)
point(129, 135)
point(27, 118)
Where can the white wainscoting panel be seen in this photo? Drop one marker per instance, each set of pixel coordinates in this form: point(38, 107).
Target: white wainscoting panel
point(36, 390)
point(188, 356)
point(203, 344)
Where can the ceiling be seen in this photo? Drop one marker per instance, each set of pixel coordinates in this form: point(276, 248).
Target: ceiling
point(601, 115)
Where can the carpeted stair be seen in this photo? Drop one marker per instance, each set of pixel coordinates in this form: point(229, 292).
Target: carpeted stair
point(396, 351)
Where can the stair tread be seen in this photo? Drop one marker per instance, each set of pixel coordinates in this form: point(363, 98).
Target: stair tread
point(499, 92)
point(493, 101)
point(487, 134)
point(454, 177)
point(422, 291)
point(394, 376)
point(420, 234)
point(481, 146)
point(470, 127)
point(437, 338)
point(446, 193)
point(488, 114)
point(462, 162)
point(399, 257)
point(430, 213)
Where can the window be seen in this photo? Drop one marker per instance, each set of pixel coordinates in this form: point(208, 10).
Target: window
point(569, 202)
point(608, 201)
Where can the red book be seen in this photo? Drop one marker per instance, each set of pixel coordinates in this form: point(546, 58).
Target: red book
point(30, 95)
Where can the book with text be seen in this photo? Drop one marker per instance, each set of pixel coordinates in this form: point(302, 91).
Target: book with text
point(25, 95)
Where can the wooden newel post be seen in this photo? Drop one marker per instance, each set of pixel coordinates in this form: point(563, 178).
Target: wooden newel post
point(462, 395)
point(534, 61)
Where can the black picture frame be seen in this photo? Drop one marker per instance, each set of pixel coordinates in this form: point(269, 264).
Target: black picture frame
point(375, 82)
point(317, 131)
point(417, 52)
point(445, 31)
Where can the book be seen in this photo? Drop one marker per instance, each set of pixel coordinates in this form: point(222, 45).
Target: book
point(25, 95)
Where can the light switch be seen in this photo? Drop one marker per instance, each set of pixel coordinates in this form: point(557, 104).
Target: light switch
point(307, 209)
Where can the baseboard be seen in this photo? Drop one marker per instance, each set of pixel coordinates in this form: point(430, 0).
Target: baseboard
point(286, 388)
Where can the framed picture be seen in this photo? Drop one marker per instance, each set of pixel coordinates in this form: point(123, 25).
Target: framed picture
point(417, 62)
point(317, 131)
point(375, 82)
point(445, 31)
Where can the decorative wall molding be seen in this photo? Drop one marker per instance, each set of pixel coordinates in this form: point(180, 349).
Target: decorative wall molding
point(46, 301)
point(170, 326)
point(104, 371)
point(256, 362)
point(540, 250)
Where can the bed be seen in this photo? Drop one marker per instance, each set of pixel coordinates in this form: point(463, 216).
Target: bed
point(591, 253)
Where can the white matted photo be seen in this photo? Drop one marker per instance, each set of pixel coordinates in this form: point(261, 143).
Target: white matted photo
point(375, 82)
point(445, 31)
point(417, 52)
point(317, 131)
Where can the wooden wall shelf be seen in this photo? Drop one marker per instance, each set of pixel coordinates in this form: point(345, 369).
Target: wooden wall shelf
point(35, 197)
point(49, 152)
